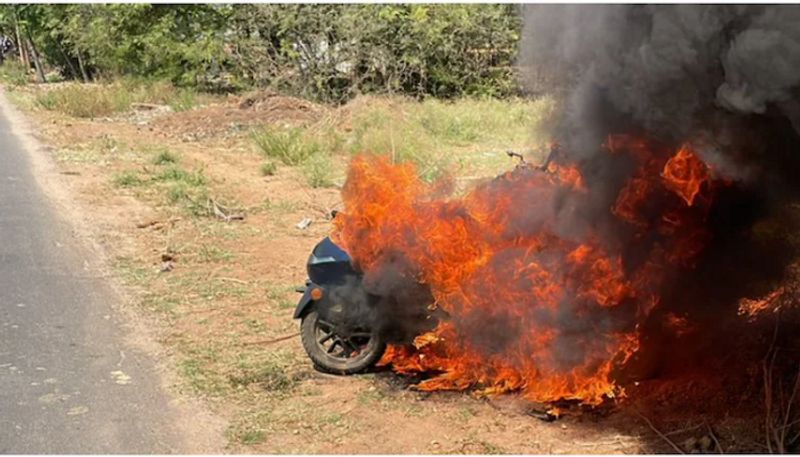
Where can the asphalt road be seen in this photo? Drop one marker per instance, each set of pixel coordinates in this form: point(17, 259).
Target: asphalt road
point(69, 382)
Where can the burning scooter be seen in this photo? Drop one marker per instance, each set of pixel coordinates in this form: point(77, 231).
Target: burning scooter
point(347, 322)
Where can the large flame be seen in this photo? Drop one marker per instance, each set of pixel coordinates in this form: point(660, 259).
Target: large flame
point(540, 298)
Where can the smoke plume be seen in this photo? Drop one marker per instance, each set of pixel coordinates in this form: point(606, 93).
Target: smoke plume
point(628, 255)
point(677, 71)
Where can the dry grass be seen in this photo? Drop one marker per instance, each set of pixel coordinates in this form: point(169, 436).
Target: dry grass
point(98, 100)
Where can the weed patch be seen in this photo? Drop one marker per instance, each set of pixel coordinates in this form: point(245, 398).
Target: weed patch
point(289, 145)
point(268, 168)
point(14, 73)
point(96, 100)
point(269, 371)
point(318, 170)
point(127, 178)
point(164, 157)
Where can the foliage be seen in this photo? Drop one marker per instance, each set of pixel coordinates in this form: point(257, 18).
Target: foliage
point(326, 52)
point(333, 52)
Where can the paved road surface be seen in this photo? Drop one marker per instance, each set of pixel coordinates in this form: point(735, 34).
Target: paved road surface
point(68, 382)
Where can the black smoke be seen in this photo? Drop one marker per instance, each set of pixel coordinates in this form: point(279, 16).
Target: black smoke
point(725, 78)
point(677, 71)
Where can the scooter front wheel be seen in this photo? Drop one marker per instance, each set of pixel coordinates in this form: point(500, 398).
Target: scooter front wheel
point(334, 353)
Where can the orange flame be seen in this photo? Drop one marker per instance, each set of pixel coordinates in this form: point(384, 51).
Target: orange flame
point(685, 173)
point(751, 308)
point(532, 306)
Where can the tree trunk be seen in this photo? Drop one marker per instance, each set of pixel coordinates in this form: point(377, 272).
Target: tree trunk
point(35, 57)
point(21, 48)
point(36, 62)
point(72, 70)
point(84, 74)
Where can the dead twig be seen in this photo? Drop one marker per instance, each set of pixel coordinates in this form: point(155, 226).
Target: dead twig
point(147, 106)
point(222, 212)
point(767, 366)
point(239, 281)
point(714, 438)
point(618, 440)
point(157, 222)
point(271, 341)
point(661, 435)
point(682, 430)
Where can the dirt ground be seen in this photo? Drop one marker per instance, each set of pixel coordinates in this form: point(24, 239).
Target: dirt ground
point(223, 311)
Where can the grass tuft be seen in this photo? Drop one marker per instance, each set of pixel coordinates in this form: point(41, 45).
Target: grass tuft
point(271, 373)
point(268, 168)
point(318, 170)
point(179, 175)
point(127, 178)
point(288, 145)
point(164, 157)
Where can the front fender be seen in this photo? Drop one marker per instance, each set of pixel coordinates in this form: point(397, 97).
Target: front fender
point(305, 303)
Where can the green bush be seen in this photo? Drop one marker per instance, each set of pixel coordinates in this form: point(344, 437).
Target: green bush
point(333, 52)
point(326, 52)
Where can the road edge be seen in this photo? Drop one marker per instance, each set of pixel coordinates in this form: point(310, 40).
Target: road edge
point(202, 431)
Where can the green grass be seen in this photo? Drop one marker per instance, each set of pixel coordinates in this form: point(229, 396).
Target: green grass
point(127, 178)
point(443, 136)
point(179, 175)
point(210, 254)
point(440, 137)
point(179, 187)
point(14, 73)
point(164, 157)
point(318, 170)
point(289, 145)
point(269, 370)
point(251, 437)
point(268, 168)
